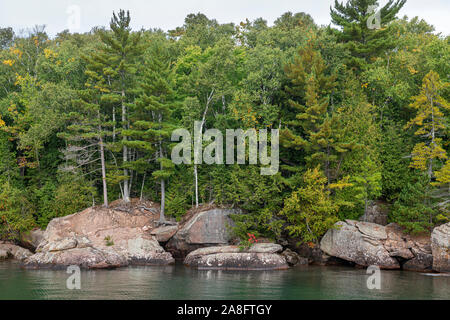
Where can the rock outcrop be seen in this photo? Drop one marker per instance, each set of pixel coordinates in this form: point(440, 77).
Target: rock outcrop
point(9, 250)
point(101, 238)
point(164, 233)
point(209, 227)
point(368, 244)
point(361, 246)
point(261, 256)
point(31, 239)
point(293, 258)
point(440, 245)
point(88, 258)
point(412, 251)
point(376, 212)
point(144, 251)
point(310, 251)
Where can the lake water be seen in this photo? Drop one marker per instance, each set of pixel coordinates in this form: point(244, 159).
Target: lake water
point(179, 282)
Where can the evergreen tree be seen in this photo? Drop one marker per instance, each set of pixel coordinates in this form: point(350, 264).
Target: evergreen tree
point(313, 128)
point(395, 173)
point(151, 123)
point(117, 58)
point(310, 210)
point(413, 210)
point(362, 41)
point(86, 138)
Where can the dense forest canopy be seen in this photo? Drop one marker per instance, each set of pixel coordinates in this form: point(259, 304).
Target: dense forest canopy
point(363, 116)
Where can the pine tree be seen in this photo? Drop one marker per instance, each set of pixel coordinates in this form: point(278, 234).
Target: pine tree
point(430, 119)
point(117, 61)
point(151, 123)
point(313, 129)
point(362, 41)
point(308, 89)
point(86, 138)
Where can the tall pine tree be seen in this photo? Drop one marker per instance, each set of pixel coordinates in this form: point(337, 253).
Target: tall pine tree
point(363, 39)
point(313, 129)
point(151, 123)
point(118, 58)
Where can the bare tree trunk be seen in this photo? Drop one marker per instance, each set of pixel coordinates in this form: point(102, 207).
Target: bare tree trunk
point(142, 186)
point(208, 101)
point(433, 143)
point(113, 115)
point(115, 163)
point(114, 123)
point(132, 173)
point(126, 191)
point(162, 217)
point(196, 185)
point(102, 161)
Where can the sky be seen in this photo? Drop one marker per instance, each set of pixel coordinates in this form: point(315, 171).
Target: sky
point(82, 15)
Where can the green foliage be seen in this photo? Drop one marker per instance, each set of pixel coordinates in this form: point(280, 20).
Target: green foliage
point(179, 193)
point(310, 211)
point(15, 212)
point(442, 193)
point(108, 241)
point(259, 197)
point(85, 113)
point(430, 119)
point(413, 210)
point(56, 198)
point(362, 41)
point(394, 150)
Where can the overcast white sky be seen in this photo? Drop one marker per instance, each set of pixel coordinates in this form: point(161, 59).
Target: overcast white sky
point(168, 14)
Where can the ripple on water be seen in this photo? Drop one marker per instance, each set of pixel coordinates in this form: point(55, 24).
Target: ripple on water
point(179, 282)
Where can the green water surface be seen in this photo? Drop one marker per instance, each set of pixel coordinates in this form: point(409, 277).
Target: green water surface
point(179, 282)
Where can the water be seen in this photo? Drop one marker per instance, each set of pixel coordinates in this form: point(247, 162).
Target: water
point(179, 282)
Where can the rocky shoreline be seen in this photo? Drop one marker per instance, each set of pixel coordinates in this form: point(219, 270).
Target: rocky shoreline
point(119, 236)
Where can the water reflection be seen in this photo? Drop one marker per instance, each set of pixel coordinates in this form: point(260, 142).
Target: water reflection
point(179, 282)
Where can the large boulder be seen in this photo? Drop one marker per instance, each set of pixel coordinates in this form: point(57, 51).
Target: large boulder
point(164, 233)
point(358, 242)
point(80, 251)
point(99, 223)
point(102, 238)
point(368, 244)
point(440, 245)
point(422, 261)
point(210, 227)
point(88, 258)
point(144, 251)
point(412, 251)
point(10, 250)
point(258, 257)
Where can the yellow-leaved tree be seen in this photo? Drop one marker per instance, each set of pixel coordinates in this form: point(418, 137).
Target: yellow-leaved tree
point(443, 184)
point(310, 210)
point(430, 121)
